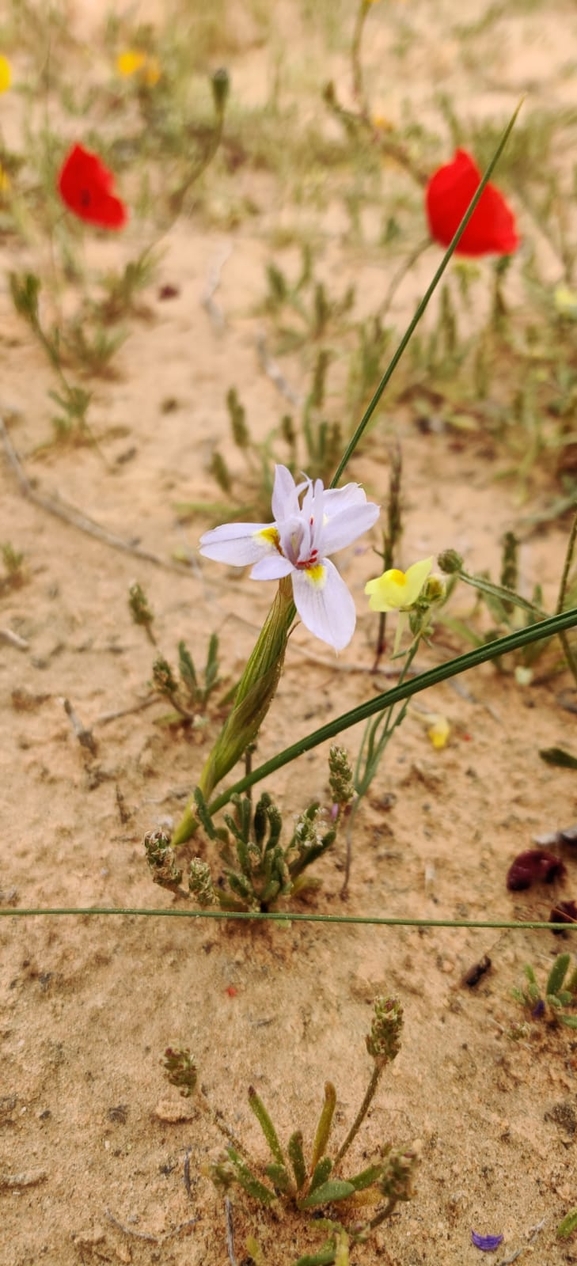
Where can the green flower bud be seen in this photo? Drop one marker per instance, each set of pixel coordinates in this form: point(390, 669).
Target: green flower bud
point(434, 591)
point(449, 562)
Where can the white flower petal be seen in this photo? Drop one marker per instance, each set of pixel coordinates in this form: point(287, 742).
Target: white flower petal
point(347, 525)
point(285, 494)
point(271, 567)
point(236, 543)
point(324, 604)
point(336, 499)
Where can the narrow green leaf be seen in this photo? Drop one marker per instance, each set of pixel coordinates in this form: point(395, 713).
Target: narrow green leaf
point(321, 1172)
point(551, 627)
point(423, 304)
point(366, 1178)
point(297, 1159)
point(324, 1257)
point(266, 1126)
point(570, 1021)
point(279, 1177)
point(324, 1125)
point(327, 1193)
point(248, 1182)
point(557, 974)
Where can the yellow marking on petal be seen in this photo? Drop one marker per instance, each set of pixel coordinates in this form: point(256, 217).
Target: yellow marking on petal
point(5, 73)
point(316, 575)
point(271, 536)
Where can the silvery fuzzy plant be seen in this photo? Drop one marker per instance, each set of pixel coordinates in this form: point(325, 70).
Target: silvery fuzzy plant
point(257, 867)
point(313, 1181)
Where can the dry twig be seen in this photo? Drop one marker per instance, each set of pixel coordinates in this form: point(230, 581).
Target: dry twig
point(229, 1231)
point(68, 514)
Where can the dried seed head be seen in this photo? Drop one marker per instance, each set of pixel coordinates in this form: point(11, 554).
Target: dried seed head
point(181, 1069)
point(384, 1039)
point(200, 883)
point(340, 776)
point(161, 858)
point(399, 1169)
point(163, 678)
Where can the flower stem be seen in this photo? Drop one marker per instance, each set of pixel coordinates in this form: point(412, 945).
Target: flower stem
point(569, 656)
point(362, 1112)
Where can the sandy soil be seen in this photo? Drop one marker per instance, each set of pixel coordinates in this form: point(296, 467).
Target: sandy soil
point(93, 1142)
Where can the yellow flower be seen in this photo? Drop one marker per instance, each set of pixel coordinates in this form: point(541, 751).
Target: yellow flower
point(134, 62)
point(439, 730)
point(565, 301)
point(5, 182)
point(398, 590)
point(5, 73)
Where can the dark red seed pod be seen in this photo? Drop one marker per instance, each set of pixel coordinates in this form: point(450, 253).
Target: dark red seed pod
point(536, 866)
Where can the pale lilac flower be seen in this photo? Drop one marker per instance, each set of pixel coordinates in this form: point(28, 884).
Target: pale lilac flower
point(310, 522)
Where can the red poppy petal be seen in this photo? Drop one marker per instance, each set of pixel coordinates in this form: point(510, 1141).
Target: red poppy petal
point(85, 185)
point(491, 229)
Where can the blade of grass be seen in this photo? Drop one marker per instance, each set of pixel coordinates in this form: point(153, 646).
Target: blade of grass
point(479, 655)
point(351, 446)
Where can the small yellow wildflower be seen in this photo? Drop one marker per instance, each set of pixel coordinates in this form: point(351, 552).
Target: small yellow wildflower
point(565, 301)
point(5, 182)
point(5, 73)
point(398, 590)
point(439, 730)
point(134, 62)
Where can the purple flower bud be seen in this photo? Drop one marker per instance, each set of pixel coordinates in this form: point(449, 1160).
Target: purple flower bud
point(487, 1243)
point(538, 1010)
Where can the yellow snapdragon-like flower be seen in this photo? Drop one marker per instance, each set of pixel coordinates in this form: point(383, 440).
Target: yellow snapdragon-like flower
point(135, 62)
point(439, 730)
point(398, 590)
point(5, 73)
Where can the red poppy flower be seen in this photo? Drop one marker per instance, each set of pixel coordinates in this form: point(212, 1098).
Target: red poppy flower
point(491, 229)
point(85, 186)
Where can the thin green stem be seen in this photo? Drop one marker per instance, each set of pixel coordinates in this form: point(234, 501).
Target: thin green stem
point(422, 306)
point(569, 656)
point(362, 1112)
point(275, 917)
point(555, 624)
